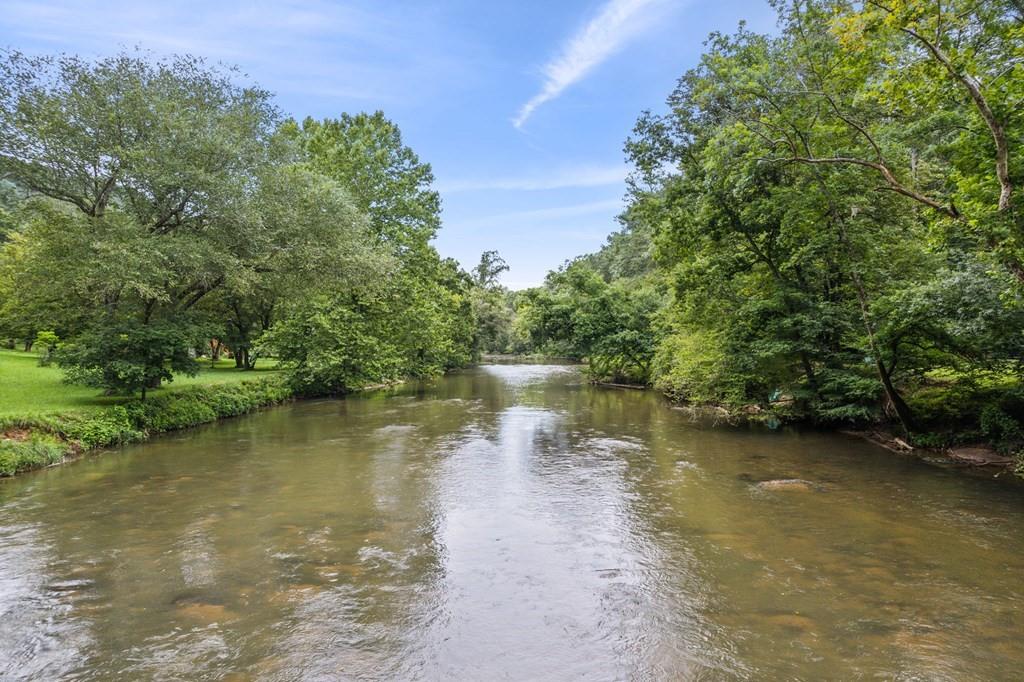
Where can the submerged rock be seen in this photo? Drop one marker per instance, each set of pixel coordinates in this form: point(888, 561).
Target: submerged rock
point(794, 484)
point(979, 456)
point(792, 621)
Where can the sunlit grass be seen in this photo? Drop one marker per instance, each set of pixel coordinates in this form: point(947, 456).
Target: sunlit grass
point(27, 388)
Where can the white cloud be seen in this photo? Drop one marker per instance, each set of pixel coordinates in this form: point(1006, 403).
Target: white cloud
point(559, 178)
point(614, 25)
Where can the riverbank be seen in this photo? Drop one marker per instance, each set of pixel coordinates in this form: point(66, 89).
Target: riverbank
point(961, 452)
point(45, 422)
point(27, 388)
point(35, 441)
point(962, 424)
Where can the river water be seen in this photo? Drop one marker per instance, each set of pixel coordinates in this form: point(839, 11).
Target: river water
point(510, 522)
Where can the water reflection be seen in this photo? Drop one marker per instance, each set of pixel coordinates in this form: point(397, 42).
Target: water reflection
point(508, 522)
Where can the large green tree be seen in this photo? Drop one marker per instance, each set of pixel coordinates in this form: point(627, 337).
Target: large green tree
point(149, 167)
point(422, 307)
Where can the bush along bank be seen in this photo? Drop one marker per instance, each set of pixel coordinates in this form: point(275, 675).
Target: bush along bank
point(32, 442)
point(963, 425)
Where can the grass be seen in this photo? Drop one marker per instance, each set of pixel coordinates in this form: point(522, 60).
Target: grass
point(27, 388)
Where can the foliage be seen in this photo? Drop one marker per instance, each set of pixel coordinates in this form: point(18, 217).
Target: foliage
point(35, 452)
point(493, 307)
point(51, 438)
point(332, 348)
point(760, 187)
point(124, 359)
point(414, 316)
point(821, 222)
point(578, 314)
point(157, 208)
point(203, 404)
point(48, 340)
point(365, 153)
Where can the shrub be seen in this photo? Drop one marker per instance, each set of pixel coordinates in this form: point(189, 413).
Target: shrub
point(21, 455)
point(1002, 430)
point(694, 366)
point(111, 427)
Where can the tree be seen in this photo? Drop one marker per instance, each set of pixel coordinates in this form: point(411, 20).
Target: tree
point(308, 236)
point(130, 359)
point(425, 299)
point(492, 306)
point(578, 315)
point(761, 184)
point(919, 97)
point(9, 201)
point(487, 271)
point(365, 154)
point(154, 164)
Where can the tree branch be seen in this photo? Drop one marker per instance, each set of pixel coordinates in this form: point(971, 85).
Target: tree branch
point(973, 88)
point(893, 184)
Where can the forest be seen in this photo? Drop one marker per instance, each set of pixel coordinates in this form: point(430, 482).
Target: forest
point(824, 224)
point(155, 212)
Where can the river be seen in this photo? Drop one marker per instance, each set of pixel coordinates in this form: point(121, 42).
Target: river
point(507, 522)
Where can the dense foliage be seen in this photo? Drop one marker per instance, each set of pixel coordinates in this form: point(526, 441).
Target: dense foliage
point(153, 210)
point(825, 223)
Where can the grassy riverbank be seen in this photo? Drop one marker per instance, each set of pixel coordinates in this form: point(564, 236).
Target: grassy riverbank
point(26, 388)
point(44, 421)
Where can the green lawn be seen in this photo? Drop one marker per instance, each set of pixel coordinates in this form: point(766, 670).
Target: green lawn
point(26, 388)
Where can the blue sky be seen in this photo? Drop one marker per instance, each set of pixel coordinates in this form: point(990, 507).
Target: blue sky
point(521, 107)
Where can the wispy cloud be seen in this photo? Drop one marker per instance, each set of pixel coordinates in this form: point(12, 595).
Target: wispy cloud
point(305, 48)
point(559, 178)
point(616, 23)
point(605, 209)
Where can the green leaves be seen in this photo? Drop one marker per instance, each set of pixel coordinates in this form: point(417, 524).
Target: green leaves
point(129, 358)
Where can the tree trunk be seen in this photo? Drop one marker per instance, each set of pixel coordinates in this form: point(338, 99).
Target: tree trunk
point(903, 411)
point(28, 345)
point(812, 379)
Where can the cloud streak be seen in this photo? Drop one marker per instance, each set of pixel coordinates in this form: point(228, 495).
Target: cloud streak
point(616, 23)
point(606, 209)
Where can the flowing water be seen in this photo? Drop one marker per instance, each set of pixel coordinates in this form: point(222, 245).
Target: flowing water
point(510, 522)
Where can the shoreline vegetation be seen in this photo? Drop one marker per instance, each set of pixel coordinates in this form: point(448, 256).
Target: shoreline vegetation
point(36, 440)
point(32, 441)
point(159, 213)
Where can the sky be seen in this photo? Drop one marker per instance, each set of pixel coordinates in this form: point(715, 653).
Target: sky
point(521, 107)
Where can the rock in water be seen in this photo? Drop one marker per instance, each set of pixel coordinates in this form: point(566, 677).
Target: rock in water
point(794, 484)
point(979, 456)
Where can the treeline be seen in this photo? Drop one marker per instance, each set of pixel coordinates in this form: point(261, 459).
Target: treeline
point(154, 210)
point(825, 223)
